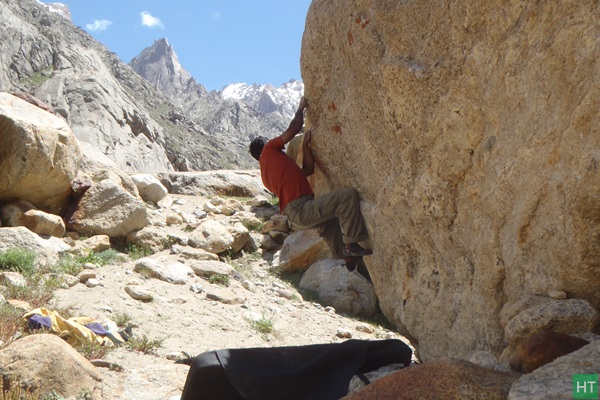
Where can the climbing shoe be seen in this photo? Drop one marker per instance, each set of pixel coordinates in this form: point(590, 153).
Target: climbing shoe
point(354, 250)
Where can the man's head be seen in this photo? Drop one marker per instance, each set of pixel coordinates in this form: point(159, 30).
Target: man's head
point(256, 146)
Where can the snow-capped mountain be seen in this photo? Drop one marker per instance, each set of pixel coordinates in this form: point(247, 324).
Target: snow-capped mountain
point(57, 8)
point(267, 98)
point(230, 117)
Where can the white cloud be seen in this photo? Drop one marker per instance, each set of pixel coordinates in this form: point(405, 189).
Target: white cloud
point(216, 15)
point(99, 25)
point(151, 21)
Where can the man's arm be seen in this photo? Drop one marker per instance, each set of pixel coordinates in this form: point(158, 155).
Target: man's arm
point(296, 124)
point(308, 161)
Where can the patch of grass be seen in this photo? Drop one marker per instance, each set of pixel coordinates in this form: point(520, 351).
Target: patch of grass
point(136, 252)
point(35, 292)
point(104, 257)
point(189, 228)
point(39, 77)
point(11, 323)
point(122, 319)
point(262, 325)
point(18, 260)
point(219, 279)
point(274, 201)
point(72, 265)
point(144, 344)
point(92, 351)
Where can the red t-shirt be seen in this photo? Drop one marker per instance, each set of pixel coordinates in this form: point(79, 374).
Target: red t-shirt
point(281, 175)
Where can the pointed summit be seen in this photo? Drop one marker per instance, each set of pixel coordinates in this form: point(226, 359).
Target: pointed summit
point(159, 65)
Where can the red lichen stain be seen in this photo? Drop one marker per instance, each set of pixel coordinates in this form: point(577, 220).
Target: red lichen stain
point(331, 106)
point(350, 38)
point(361, 22)
point(337, 129)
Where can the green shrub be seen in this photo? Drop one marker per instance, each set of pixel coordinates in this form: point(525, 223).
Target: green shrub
point(18, 260)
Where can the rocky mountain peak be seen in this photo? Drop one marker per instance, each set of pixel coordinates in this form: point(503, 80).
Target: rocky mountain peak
point(160, 65)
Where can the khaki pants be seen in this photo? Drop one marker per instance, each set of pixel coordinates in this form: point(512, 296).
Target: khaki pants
point(335, 215)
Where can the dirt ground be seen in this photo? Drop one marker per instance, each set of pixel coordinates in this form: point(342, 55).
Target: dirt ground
point(187, 322)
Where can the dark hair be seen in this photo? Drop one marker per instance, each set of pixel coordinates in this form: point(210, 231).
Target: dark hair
point(256, 146)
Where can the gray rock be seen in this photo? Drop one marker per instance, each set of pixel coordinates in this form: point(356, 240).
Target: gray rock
point(302, 249)
point(563, 316)
point(139, 293)
point(211, 236)
point(335, 286)
point(208, 268)
point(224, 295)
point(12, 278)
point(172, 272)
point(149, 187)
point(108, 209)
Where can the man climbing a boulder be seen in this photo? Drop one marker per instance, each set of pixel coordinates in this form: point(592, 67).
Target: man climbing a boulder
point(336, 215)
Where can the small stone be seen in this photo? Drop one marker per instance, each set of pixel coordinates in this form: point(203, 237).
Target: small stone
point(92, 282)
point(89, 266)
point(248, 285)
point(13, 278)
point(86, 275)
point(174, 356)
point(224, 295)
point(344, 333)
point(200, 214)
point(138, 293)
point(107, 309)
point(195, 288)
point(180, 201)
point(364, 328)
point(20, 304)
point(390, 335)
point(330, 309)
point(211, 208)
point(174, 219)
point(557, 294)
point(278, 285)
point(285, 293)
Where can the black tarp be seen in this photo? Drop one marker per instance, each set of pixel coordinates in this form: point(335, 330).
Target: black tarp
point(313, 372)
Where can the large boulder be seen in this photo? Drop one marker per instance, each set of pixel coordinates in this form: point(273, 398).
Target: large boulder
point(471, 131)
point(440, 379)
point(347, 292)
point(302, 249)
point(108, 209)
point(47, 363)
point(39, 155)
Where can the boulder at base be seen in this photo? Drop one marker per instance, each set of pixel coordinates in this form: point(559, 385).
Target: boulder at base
point(46, 362)
point(39, 155)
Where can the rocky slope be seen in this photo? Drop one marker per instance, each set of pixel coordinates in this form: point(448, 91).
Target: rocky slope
point(471, 131)
point(112, 108)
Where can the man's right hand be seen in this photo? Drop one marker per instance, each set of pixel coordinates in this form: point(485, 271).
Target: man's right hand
point(303, 103)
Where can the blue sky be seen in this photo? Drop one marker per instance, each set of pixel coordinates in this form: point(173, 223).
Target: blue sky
point(217, 41)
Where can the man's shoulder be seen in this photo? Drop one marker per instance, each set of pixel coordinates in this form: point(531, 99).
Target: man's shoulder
point(276, 142)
